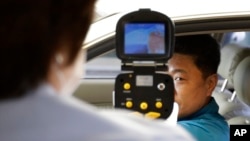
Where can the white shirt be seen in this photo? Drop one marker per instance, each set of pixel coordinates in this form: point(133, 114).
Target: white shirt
point(43, 115)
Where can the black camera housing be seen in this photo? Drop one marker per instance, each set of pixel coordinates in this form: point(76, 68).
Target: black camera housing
point(144, 43)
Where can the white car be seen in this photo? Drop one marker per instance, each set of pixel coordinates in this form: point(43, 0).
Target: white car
point(228, 22)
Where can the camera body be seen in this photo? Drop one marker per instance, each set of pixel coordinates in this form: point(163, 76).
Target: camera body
point(144, 43)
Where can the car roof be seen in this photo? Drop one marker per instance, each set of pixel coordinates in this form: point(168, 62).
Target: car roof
point(183, 13)
point(173, 8)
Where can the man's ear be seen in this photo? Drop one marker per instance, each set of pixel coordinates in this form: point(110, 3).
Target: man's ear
point(59, 59)
point(211, 83)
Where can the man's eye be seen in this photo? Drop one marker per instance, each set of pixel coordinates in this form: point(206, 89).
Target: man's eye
point(178, 78)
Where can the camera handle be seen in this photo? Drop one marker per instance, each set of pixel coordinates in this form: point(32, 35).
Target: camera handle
point(145, 91)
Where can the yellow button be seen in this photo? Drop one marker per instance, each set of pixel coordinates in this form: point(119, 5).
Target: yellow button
point(144, 105)
point(126, 86)
point(129, 104)
point(158, 104)
point(152, 115)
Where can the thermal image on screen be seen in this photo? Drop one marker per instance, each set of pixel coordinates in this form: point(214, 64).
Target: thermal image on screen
point(144, 38)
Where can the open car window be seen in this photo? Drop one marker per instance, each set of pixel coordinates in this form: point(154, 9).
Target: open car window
point(241, 38)
point(109, 66)
point(104, 66)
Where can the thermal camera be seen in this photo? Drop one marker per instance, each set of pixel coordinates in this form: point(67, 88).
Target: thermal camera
point(144, 43)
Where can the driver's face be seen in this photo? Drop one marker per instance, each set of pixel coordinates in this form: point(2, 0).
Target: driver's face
point(191, 90)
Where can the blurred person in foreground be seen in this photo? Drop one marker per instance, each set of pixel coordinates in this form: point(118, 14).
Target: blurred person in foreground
point(42, 59)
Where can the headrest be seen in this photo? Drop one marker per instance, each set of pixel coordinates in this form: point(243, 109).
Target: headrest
point(231, 56)
point(242, 80)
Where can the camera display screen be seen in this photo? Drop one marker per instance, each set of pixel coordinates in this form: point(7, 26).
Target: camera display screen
point(144, 39)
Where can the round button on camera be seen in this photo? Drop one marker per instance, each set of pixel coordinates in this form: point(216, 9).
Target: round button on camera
point(158, 104)
point(129, 104)
point(126, 86)
point(161, 86)
point(144, 105)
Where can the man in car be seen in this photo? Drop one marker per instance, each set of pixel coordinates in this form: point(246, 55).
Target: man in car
point(193, 67)
point(155, 43)
point(41, 59)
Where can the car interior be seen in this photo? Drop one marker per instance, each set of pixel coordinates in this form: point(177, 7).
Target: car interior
point(232, 92)
point(228, 91)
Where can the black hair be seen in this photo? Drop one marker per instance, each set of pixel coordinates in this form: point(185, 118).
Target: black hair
point(204, 49)
point(31, 33)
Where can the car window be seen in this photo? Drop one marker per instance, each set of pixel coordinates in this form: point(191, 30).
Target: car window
point(109, 66)
point(240, 38)
point(104, 66)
